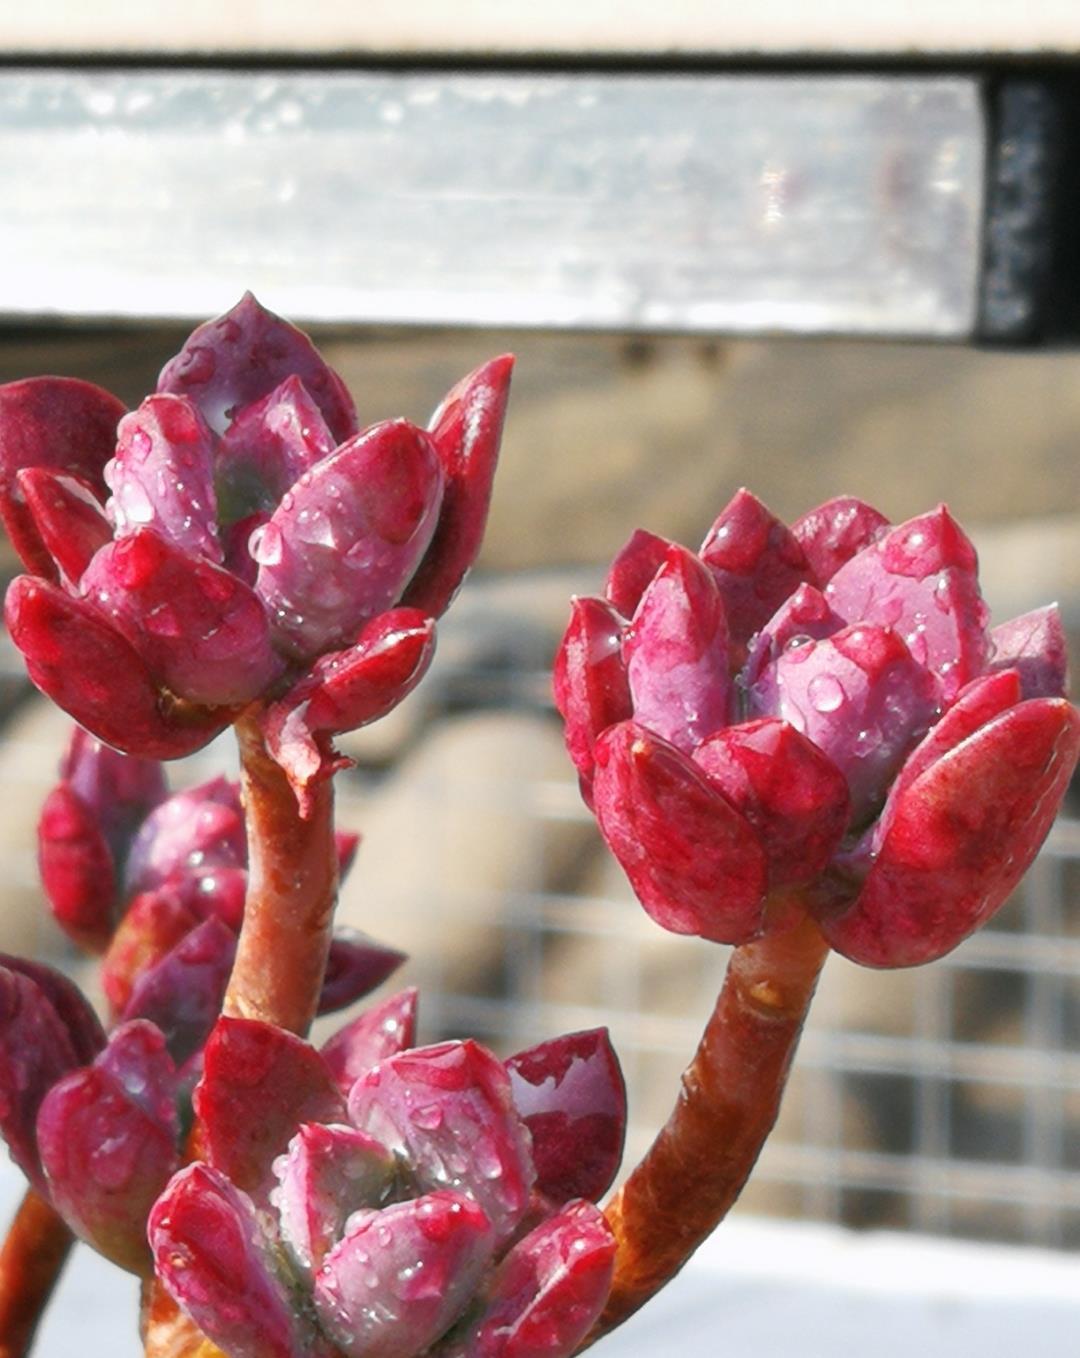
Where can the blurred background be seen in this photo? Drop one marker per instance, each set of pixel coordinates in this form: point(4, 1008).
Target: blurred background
point(858, 283)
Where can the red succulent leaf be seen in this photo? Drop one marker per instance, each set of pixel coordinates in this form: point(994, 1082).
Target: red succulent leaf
point(805, 616)
point(921, 579)
point(202, 632)
point(119, 789)
point(592, 691)
point(108, 1141)
point(447, 1111)
point(346, 843)
point(182, 993)
point(76, 867)
point(960, 837)
point(633, 569)
point(402, 1275)
point(193, 832)
point(570, 1094)
point(77, 659)
point(547, 1292)
point(355, 965)
point(466, 430)
point(381, 1031)
point(162, 476)
point(211, 1255)
point(834, 532)
point(155, 922)
point(695, 863)
point(1033, 645)
point(84, 1030)
point(267, 448)
point(344, 690)
point(56, 422)
point(259, 1084)
point(326, 1174)
point(676, 653)
point(242, 356)
point(68, 517)
point(793, 795)
point(757, 564)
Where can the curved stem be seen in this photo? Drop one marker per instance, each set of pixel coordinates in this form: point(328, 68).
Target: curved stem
point(292, 888)
point(730, 1096)
point(31, 1261)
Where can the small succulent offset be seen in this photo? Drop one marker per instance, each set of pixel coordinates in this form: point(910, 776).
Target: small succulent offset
point(818, 712)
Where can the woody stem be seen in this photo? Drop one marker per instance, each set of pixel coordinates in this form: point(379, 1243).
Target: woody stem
point(727, 1105)
point(31, 1261)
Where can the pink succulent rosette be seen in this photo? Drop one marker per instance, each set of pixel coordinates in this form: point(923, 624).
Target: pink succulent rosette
point(822, 710)
point(377, 1199)
point(238, 537)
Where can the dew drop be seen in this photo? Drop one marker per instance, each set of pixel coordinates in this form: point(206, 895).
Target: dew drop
point(428, 1117)
point(265, 544)
point(826, 693)
point(135, 503)
point(141, 442)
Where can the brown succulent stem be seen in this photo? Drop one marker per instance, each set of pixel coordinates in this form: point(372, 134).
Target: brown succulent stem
point(31, 1261)
point(292, 889)
point(727, 1105)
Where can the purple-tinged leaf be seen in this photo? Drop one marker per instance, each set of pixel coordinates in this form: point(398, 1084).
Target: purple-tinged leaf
point(1034, 645)
point(381, 1031)
point(121, 790)
point(448, 1111)
point(211, 1255)
point(633, 569)
point(695, 863)
point(183, 992)
point(592, 691)
point(68, 517)
point(676, 653)
point(466, 431)
point(72, 1007)
point(108, 1140)
point(343, 543)
point(960, 837)
point(155, 923)
point(87, 668)
point(197, 830)
point(402, 1275)
point(834, 532)
point(59, 423)
point(162, 476)
point(326, 1174)
point(242, 356)
point(570, 1094)
point(76, 867)
point(259, 1084)
point(355, 965)
point(805, 616)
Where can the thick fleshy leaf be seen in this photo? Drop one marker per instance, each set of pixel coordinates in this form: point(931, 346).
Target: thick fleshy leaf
point(793, 795)
point(402, 1275)
point(466, 430)
point(259, 1084)
point(267, 448)
point(108, 1140)
point(695, 863)
point(633, 569)
point(344, 690)
point(570, 1094)
point(55, 422)
point(381, 1031)
point(676, 653)
point(921, 579)
point(547, 1292)
point(961, 835)
point(863, 700)
point(592, 691)
point(344, 541)
point(197, 830)
point(162, 476)
point(203, 633)
point(121, 790)
point(155, 922)
point(355, 965)
point(326, 1174)
point(84, 1029)
point(804, 616)
point(87, 668)
point(834, 532)
point(448, 1111)
point(211, 1254)
point(1034, 645)
point(757, 564)
point(346, 843)
point(242, 356)
point(182, 993)
point(76, 867)
point(68, 517)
